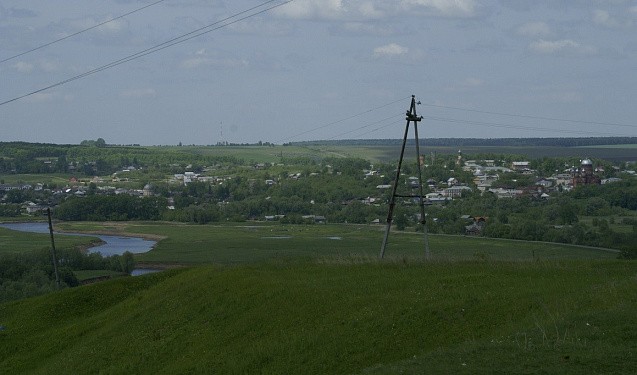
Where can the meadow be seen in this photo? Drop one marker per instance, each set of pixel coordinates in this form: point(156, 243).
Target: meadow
point(13, 242)
point(315, 299)
point(340, 317)
point(390, 153)
point(250, 242)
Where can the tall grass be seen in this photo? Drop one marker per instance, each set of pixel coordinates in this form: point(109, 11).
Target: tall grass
point(352, 316)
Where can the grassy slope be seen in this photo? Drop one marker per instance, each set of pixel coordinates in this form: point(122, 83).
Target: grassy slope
point(253, 242)
point(446, 317)
point(14, 241)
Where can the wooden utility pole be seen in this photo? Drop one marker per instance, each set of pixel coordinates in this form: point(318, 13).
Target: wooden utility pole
point(411, 116)
point(53, 253)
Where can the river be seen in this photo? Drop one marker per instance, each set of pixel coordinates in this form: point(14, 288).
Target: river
point(113, 245)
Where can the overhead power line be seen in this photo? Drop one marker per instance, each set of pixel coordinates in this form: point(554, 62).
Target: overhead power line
point(342, 120)
point(251, 12)
point(529, 116)
point(82, 31)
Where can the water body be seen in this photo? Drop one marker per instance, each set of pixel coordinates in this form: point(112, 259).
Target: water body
point(114, 245)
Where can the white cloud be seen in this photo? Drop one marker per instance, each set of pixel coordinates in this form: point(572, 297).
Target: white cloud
point(368, 10)
point(23, 67)
point(261, 27)
point(365, 28)
point(218, 63)
point(113, 27)
point(41, 97)
point(46, 66)
point(312, 9)
point(447, 8)
point(390, 50)
point(138, 93)
point(603, 18)
point(534, 29)
point(564, 46)
point(466, 85)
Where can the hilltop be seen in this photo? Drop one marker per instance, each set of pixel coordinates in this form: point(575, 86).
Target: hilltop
point(335, 317)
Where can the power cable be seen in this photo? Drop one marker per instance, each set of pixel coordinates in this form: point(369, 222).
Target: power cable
point(529, 116)
point(161, 46)
point(365, 126)
point(341, 120)
point(82, 31)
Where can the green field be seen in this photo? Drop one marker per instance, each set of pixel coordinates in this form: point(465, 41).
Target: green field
point(573, 317)
point(315, 299)
point(254, 242)
point(391, 153)
point(49, 178)
point(12, 242)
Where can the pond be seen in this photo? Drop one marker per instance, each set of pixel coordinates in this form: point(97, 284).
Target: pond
point(113, 245)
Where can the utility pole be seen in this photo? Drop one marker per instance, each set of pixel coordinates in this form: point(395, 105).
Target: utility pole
point(411, 116)
point(53, 254)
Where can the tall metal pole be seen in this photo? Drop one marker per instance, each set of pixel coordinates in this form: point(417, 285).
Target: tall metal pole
point(53, 254)
point(411, 116)
point(392, 200)
point(421, 201)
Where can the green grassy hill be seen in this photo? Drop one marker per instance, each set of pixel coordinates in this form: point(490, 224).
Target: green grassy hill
point(289, 317)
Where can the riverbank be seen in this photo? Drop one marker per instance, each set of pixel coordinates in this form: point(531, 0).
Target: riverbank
point(108, 229)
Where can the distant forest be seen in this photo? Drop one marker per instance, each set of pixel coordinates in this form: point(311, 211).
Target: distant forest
point(464, 142)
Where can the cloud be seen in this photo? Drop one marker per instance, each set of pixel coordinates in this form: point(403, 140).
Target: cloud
point(390, 50)
point(466, 85)
point(138, 93)
point(202, 60)
point(261, 27)
point(369, 10)
point(365, 28)
point(16, 13)
point(534, 29)
point(603, 18)
point(445, 8)
point(312, 9)
point(41, 97)
point(46, 66)
point(564, 46)
point(23, 67)
point(113, 27)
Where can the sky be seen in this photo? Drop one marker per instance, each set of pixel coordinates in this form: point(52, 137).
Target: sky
point(315, 70)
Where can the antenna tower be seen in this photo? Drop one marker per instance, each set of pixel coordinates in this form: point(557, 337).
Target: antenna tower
point(411, 116)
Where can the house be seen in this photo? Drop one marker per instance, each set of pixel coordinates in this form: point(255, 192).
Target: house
point(520, 166)
point(475, 228)
point(455, 191)
point(33, 208)
point(545, 183)
point(316, 218)
point(610, 180)
point(506, 192)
